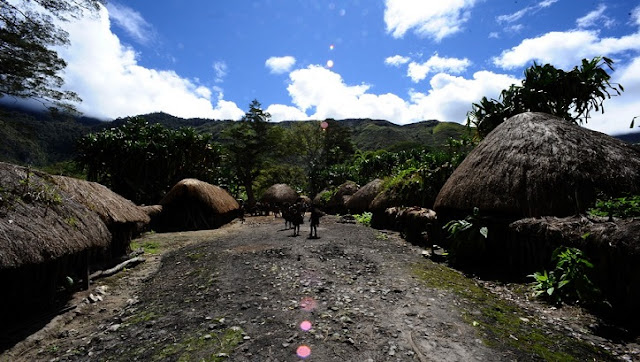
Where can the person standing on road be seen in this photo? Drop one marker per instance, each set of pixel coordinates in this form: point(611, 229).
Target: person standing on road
point(314, 221)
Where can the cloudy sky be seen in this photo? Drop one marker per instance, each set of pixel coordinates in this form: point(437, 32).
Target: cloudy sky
point(399, 60)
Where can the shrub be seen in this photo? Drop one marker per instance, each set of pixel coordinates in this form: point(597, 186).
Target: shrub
point(364, 218)
point(628, 206)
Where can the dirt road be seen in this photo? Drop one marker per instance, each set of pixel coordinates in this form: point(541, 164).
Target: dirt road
point(253, 292)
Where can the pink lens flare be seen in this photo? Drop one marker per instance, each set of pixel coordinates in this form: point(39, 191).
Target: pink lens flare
point(324, 125)
point(303, 351)
point(305, 326)
point(308, 304)
point(331, 47)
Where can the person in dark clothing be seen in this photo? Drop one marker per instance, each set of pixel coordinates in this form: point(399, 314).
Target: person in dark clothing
point(314, 221)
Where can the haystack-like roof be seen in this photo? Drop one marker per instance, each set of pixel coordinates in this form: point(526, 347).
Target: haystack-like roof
point(344, 193)
point(111, 207)
point(194, 191)
point(536, 164)
point(279, 193)
point(361, 200)
point(40, 222)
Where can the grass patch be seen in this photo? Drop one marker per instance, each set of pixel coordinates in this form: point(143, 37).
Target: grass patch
point(149, 246)
point(503, 324)
point(209, 347)
point(141, 317)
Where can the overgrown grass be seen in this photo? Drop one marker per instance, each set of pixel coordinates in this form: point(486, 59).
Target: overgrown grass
point(503, 324)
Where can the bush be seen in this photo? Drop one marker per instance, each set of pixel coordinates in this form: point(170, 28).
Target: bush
point(364, 218)
point(628, 206)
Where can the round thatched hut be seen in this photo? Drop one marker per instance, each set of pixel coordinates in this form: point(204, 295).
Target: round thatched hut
point(535, 164)
point(194, 205)
point(279, 194)
point(122, 217)
point(361, 200)
point(45, 235)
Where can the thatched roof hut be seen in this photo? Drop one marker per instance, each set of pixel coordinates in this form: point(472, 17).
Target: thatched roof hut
point(193, 205)
point(40, 222)
point(536, 164)
point(111, 207)
point(279, 194)
point(123, 218)
point(336, 202)
point(361, 200)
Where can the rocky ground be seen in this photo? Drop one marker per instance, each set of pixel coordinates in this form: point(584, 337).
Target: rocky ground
point(254, 292)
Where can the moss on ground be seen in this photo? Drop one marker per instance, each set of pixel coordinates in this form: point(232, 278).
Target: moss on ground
point(503, 324)
point(209, 347)
point(149, 246)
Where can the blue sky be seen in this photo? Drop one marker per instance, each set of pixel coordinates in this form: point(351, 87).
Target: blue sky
point(400, 60)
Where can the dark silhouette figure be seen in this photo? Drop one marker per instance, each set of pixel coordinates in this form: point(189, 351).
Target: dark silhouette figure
point(314, 221)
point(297, 217)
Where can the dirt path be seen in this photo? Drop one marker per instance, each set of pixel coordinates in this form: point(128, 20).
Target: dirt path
point(253, 292)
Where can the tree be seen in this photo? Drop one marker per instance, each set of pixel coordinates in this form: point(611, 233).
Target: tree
point(570, 95)
point(29, 68)
point(250, 142)
point(142, 162)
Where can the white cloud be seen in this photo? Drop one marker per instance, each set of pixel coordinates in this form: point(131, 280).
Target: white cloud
point(396, 60)
point(565, 49)
point(635, 15)
point(434, 19)
point(280, 112)
point(510, 18)
point(419, 71)
point(594, 18)
point(221, 69)
point(494, 35)
point(131, 21)
point(280, 65)
point(112, 84)
point(324, 93)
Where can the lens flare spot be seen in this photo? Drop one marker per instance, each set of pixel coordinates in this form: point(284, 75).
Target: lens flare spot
point(324, 125)
point(308, 304)
point(305, 326)
point(303, 351)
point(329, 63)
point(331, 47)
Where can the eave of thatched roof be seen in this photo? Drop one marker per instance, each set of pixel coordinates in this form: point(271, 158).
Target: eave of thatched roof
point(40, 222)
point(536, 164)
point(361, 200)
point(190, 190)
point(111, 207)
point(279, 193)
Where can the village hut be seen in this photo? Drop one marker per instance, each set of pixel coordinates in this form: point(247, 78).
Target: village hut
point(536, 164)
point(337, 201)
point(279, 194)
point(532, 165)
point(194, 205)
point(361, 200)
point(46, 235)
point(153, 211)
point(122, 217)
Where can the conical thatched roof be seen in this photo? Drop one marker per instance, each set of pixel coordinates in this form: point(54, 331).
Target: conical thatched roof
point(279, 193)
point(39, 222)
point(536, 164)
point(361, 200)
point(111, 207)
point(193, 204)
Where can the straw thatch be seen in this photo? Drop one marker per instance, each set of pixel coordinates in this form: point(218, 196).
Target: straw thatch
point(111, 207)
point(193, 205)
point(39, 222)
point(361, 200)
point(279, 194)
point(536, 164)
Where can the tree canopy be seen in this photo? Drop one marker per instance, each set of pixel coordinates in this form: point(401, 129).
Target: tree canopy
point(571, 95)
point(29, 67)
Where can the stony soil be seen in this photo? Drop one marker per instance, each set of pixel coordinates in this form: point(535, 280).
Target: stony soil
point(254, 292)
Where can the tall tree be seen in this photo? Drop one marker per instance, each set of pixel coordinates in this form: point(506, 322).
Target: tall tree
point(29, 68)
point(250, 142)
point(571, 95)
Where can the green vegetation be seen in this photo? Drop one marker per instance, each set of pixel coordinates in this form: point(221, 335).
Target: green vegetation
point(628, 206)
point(149, 246)
point(569, 282)
point(468, 238)
point(570, 95)
point(502, 323)
point(364, 218)
point(141, 317)
point(210, 347)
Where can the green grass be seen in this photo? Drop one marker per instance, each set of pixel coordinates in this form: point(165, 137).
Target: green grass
point(215, 347)
point(503, 324)
point(149, 246)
